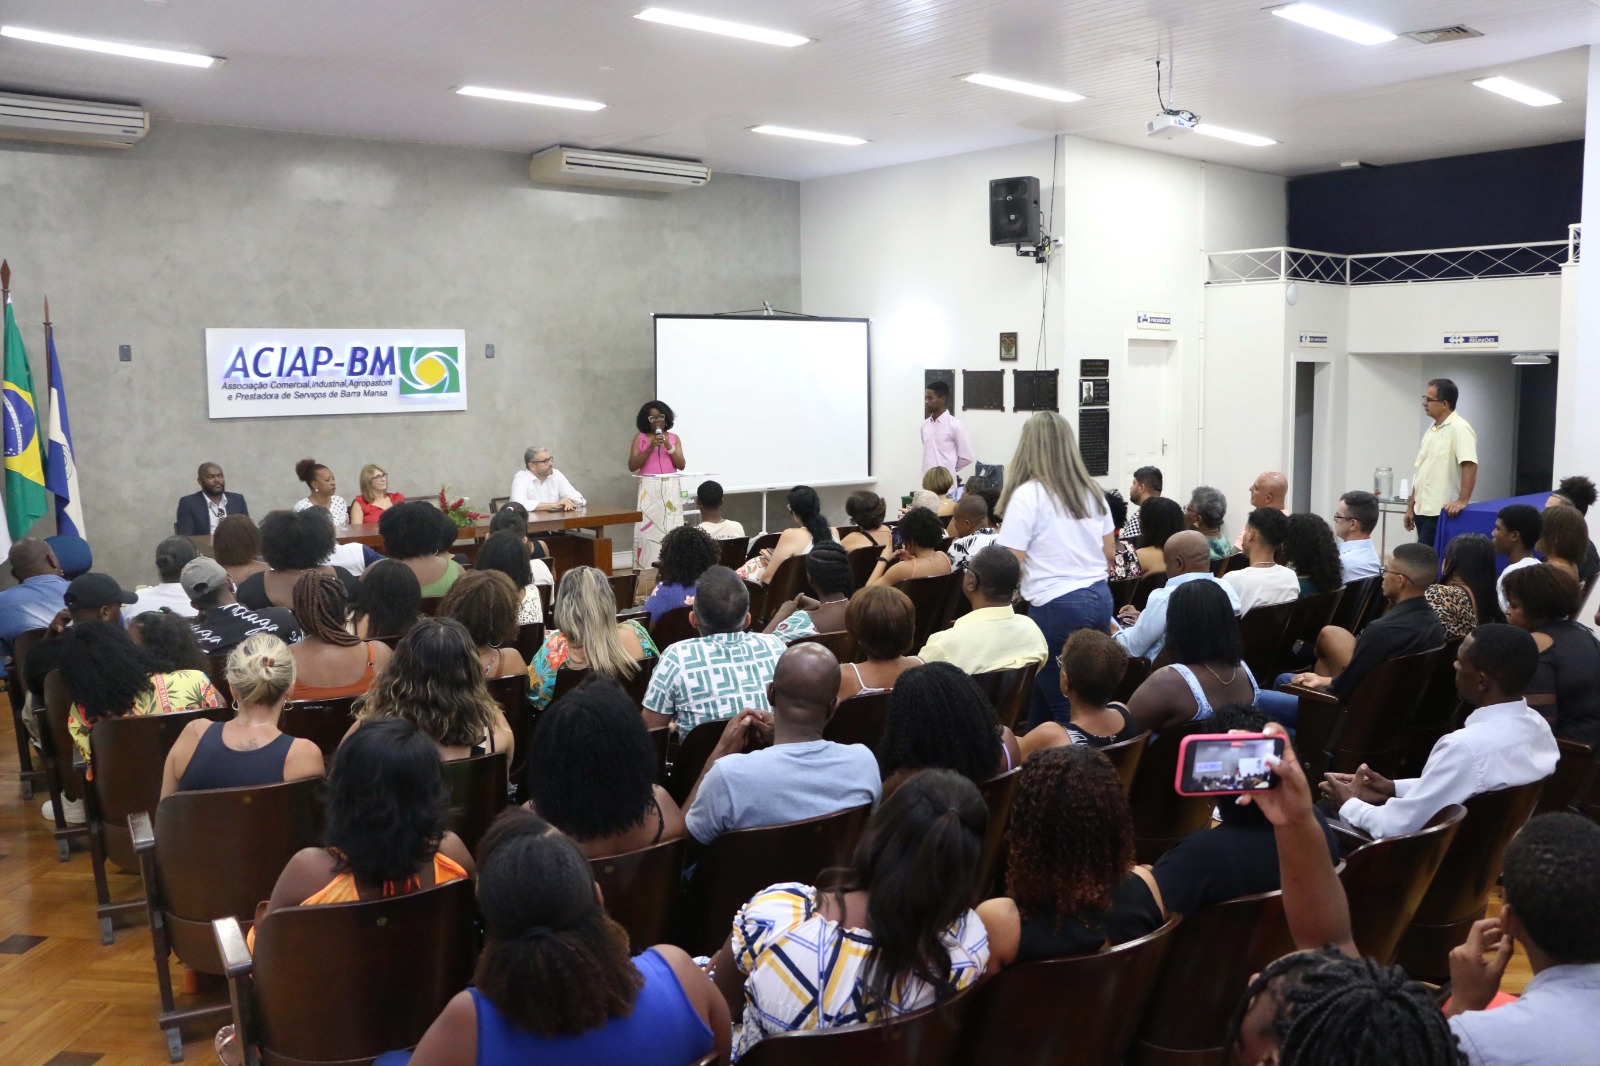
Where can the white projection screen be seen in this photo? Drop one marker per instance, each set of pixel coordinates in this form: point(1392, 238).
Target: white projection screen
point(765, 402)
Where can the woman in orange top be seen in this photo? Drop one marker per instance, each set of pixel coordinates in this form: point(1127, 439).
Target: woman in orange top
point(331, 661)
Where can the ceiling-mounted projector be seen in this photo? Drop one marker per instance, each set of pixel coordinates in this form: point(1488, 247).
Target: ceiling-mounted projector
point(1170, 124)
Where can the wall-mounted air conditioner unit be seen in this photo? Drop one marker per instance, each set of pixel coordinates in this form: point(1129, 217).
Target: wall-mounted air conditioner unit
point(612, 170)
point(48, 118)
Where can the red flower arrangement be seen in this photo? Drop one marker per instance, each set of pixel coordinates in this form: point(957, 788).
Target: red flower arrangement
point(457, 512)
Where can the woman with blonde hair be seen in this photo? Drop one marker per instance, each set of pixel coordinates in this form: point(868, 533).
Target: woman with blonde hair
point(486, 602)
point(249, 749)
point(1058, 525)
point(939, 481)
point(587, 636)
point(375, 496)
point(435, 681)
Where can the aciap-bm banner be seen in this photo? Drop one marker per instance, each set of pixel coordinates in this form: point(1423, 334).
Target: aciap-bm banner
point(256, 373)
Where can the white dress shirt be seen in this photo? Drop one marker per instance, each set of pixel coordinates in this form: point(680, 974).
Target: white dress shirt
point(155, 597)
point(1498, 746)
point(1359, 559)
point(529, 491)
point(1148, 635)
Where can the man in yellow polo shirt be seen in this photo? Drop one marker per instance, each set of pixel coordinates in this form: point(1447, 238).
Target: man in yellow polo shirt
point(991, 636)
point(1447, 463)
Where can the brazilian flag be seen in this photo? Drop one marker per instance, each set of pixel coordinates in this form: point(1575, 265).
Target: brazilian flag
point(26, 497)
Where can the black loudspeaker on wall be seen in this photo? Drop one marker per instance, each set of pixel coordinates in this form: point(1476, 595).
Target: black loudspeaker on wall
point(1014, 211)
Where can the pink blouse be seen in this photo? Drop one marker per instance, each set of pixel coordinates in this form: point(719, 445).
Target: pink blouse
point(659, 461)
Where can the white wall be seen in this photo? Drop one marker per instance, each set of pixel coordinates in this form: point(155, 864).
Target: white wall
point(1246, 392)
point(1526, 312)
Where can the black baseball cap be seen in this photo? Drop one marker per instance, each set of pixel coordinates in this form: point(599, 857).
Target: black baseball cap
point(92, 590)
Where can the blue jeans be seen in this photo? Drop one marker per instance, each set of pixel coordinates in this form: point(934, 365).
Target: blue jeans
point(1427, 528)
point(1087, 608)
point(1280, 706)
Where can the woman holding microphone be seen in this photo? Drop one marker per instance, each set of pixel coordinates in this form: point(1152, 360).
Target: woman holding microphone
point(655, 449)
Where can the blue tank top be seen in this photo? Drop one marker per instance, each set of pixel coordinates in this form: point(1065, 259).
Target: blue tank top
point(215, 765)
point(663, 1030)
point(1203, 708)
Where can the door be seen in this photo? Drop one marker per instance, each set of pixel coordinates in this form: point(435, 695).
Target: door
point(1305, 435)
point(1150, 394)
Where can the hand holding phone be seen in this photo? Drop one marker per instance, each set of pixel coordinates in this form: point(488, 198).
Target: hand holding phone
point(1227, 764)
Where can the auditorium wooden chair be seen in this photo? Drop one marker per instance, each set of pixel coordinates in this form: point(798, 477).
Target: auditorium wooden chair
point(344, 982)
point(477, 794)
point(862, 562)
point(737, 865)
point(1561, 789)
point(693, 751)
point(1353, 604)
point(429, 605)
point(733, 551)
point(1125, 756)
point(1009, 692)
point(623, 587)
point(761, 543)
point(641, 890)
point(1385, 880)
point(511, 693)
point(1122, 591)
point(787, 583)
point(673, 626)
point(934, 599)
point(1082, 1009)
point(1375, 606)
point(30, 776)
point(530, 637)
point(568, 679)
point(1438, 712)
point(998, 794)
point(186, 888)
point(1137, 673)
point(1147, 584)
point(1236, 561)
point(1161, 817)
point(497, 502)
point(859, 720)
point(59, 757)
point(1310, 615)
point(1459, 893)
point(925, 1037)
point(843, 645)
point(547, 605)
point(323, 722)
point(1367, 726)
point(1261, 632)
point(217, 671)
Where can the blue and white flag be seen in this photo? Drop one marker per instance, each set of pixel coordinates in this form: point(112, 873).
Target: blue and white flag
point(60, 471)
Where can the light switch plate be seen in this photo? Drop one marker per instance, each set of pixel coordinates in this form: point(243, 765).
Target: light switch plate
point(125, 353)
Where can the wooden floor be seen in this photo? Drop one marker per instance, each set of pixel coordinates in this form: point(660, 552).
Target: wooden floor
point(67, 1000)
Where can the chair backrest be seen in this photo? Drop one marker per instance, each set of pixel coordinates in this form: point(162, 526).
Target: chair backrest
point(926, 1037)
point(531, 636)
point(477, 794)
point(1374, 607)
point(497, 502)
point(660, 740)
point(1386, 879)
point(737, 865)
point(323, 722)
point(262, 828)
point(859, 720)
point(636, 685)
point(862, 562)
point(1161, 817)
point(1009, 691)
point(1137, 673)
point(55, 739)
point(1236, 561)
point(693, 751)
point(623, 587)
point(16, 675)
point(761, 543)
point(1353, 604)
point(127, 756)
point(1125, 756)
point(733, 552)
point(671, 627)
point(1572, 770)
point(787, 582)
point(1261, 631)
point(1310, 615)
point(1374, 718)
point(1094, 1003)
point(547, 603)
point(934, 600)
point(217, 671)
point(641, 890)
point(1147, 584)
point(348, 981)
point(998, 793)
point(1122, 591)
point(430, 605)
point(844, 646)
point(511, 693)
point(1438, 712)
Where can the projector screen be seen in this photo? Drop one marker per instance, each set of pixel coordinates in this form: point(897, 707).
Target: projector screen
point(768, 403)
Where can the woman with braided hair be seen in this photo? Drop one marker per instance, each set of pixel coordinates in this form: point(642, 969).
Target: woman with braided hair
point(330, 661)
point(828, 573)
point(555, 983)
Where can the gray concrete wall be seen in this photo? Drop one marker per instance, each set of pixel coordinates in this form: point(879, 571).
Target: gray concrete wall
point(213, 226)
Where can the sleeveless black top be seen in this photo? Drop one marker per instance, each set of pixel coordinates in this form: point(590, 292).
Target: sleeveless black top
point(215, 765)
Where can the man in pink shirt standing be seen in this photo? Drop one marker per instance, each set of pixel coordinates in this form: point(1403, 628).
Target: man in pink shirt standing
point(944, 438)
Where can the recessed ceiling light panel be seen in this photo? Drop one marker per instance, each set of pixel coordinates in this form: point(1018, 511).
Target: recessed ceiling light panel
point(994, 81)
point(718, 26)
point(1515, 90)
point(1223, 133)
point(807, 135)
point(530, 98)
point(1332, 22)
point(110, 48)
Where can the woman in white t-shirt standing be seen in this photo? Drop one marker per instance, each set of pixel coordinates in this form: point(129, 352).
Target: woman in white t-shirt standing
point(1057, 522)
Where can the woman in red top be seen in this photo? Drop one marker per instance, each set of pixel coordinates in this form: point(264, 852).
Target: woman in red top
point(375, 496)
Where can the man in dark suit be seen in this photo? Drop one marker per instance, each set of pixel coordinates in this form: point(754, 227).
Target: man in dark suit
point(199, 512)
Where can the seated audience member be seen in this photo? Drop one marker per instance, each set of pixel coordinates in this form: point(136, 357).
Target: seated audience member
point(294, 543)
point(319, 482)
point(708, 497)
point(1204, 513)
point(939, 719)
point(1566, 686)
point(1502, 743)
point(828, 573)
point(793, 774)
point(168, 641)
point(1146, 485)
point(414, 533)
point(375, 496)
point(352, 556)
point(969, 530)
point(436, 682)
point(592, 773)
point(1563, 538)
point(73, 553)
point(587, 636)
point(991, 636)
point(513, 518)
point(89, 597)
point(555, 983)
point(812, 528)
point(686, 553)
point(172, 555)
point(721, 672)
point(1551, 883)
point(248, 749)
point(939, 481)
point(1464, 597)
point(921, 534)
point(221, 623)
point(1354, 519)
point(199, 513)
point(1579, 493)
point(1265, 581)
point(237, 546)
point(34, 601)
point(1092, 665)
point(1313, 554)
point(329, 660)
point(924, 499)
point(541, 487)
point(982, 487)
point(1074, 888)
point(1343, 662)
point(1159, 520)
point(1125, 557)
point(1187, 558)
point(485, 602)
point(901, 908)
point(1516, 531)
point(884, 623)
point(866, 509)
point(1238, 857)
point(1207, 669)
point(505, 553)
point(388, 603)
point(1267, 492)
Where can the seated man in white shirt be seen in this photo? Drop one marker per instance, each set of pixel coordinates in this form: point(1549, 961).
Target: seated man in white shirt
point(1188, 558)
point(1503, 743)
point(1265, 581)
point(709, 497)
point(992, 636)
point(172, 555)
point(1516, 530)
point(541, 487)
point(1354, 519)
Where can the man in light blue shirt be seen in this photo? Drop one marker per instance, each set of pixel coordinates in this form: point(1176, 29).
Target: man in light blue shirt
point(38, 597)
point(1354, 519)
point(1188, 558)
point(799, 775)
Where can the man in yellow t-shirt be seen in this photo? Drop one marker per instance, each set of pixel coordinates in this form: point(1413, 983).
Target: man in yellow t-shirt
point(1447, 463)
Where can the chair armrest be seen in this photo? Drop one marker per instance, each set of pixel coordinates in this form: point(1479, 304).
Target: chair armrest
point(231, 946)
point(1350, 837)
point(1315, 695)
point(634, 613)
point(144, 834)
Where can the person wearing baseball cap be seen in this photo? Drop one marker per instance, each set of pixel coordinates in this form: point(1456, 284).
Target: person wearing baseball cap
point(91, 595)
point(221, 622)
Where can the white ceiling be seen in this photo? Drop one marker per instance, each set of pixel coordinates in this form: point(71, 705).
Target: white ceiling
point(885, 70)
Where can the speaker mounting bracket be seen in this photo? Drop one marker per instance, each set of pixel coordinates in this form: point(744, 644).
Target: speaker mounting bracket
point(1039, 253)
